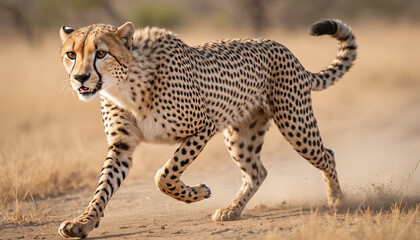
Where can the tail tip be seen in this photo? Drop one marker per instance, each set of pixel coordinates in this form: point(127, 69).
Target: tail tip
point(323, 27)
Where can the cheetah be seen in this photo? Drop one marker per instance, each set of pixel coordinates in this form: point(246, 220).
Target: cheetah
point(155, 88)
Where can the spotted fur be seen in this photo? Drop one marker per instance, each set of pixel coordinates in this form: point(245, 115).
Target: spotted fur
point(156, 88)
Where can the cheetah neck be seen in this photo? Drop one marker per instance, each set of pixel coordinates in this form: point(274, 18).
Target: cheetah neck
point(134, 93)
point(141, 85)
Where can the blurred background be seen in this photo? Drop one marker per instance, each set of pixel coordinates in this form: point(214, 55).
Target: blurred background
point(51, 143)
point(32, 18)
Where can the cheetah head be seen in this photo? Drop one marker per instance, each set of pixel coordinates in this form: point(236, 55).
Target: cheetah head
point(96, 57)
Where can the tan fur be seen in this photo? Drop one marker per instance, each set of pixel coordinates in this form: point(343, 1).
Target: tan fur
point(155, 88)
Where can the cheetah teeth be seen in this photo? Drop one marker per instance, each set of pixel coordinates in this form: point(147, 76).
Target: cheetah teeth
point(84, 89)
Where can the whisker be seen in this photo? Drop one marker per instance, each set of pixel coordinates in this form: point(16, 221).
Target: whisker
point(65, 86)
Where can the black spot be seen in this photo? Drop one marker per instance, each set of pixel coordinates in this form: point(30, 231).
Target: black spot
point(252, 125)
point(258, 149)
point(123, 131)
point(250, 148)
point(110, 185)
point(124, 164)
point(122, 146)
point(183, 163)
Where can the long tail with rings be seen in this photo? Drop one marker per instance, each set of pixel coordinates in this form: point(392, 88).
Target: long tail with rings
point(347, 51)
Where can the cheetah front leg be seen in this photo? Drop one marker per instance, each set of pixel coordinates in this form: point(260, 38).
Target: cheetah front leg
point(122, 137)
point(168, 177)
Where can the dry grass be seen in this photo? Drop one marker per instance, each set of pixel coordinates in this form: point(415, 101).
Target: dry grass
point(391, 218)
point(51, 143)
point(397, 223)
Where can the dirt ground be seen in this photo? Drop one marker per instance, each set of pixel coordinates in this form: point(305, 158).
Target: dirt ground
point(140, 211)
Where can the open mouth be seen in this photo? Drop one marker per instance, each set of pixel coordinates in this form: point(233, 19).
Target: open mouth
point(83, 90)
point(86, 91)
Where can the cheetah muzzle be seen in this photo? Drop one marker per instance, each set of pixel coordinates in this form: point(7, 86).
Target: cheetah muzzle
point(89, 91)
point(155, 88)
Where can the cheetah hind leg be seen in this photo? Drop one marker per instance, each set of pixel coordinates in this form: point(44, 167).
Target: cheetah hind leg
point(306, 140)
point(244, 144)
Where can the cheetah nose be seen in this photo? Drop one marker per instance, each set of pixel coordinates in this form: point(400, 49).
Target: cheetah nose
point(81, 77)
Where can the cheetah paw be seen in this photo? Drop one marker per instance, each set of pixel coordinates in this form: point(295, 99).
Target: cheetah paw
point(224, 214)
point(74, 229)
point(200, 192)
point(337, 204)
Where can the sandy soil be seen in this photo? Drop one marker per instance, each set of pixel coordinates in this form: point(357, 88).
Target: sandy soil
point(140, 211)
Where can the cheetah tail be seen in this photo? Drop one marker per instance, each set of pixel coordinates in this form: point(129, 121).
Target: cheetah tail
point(347, 51)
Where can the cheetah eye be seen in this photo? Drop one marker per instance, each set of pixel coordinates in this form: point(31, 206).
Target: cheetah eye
point(101, 54)
point(71, 55)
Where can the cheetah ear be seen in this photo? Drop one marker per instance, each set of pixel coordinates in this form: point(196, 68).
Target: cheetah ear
point(125, 34)
point(65, 32)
